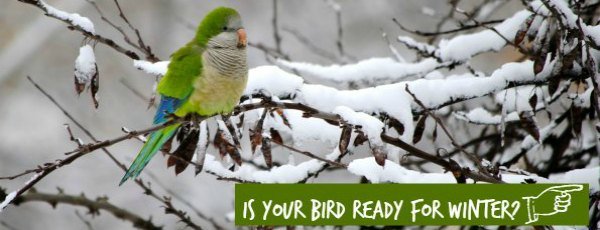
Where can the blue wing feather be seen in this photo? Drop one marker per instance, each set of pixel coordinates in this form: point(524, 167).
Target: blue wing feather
point(167, 106)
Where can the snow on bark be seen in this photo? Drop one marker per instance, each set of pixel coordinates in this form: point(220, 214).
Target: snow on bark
point(76, 19)
point(366, 72)
point(392, 172)
point(158, 68)
point(282, 174)
point(463, 47)
point(9, 198)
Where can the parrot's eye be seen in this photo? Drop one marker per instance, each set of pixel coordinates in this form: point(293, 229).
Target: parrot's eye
point(224, 28)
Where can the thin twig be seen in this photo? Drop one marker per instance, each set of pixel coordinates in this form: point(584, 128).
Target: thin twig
point(129, 53)
point(437, 33)
point(145, 48)
point(471, 156)
point(87, 223)
point(94, 206)
point(448, 165)
point(311, 155)
point(275, 25)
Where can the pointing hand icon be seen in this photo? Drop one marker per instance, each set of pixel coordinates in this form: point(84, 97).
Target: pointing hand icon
point(552, 200)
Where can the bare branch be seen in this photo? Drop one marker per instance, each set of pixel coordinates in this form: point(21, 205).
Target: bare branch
point(94, 206)
point(86, 33)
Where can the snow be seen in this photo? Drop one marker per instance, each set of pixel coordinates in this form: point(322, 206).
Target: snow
point(369, 70)
point(7, 200)
point(517, 99)
point(589, 176)
point(463, 47)
point(411, 43)
point(530, 142)
point(282, 174)
point(202, 144)
point(565, 12)
point(158, 68)
point(393, 172)
point(76, 19)
point(482, 116)
point(454, 88)
point(85, 64)
point(272, 79)
point(428, 11)
point(370, 125)
point(304, 129)
point(34, 177)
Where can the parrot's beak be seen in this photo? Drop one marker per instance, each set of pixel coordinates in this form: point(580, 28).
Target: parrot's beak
point(242, 42)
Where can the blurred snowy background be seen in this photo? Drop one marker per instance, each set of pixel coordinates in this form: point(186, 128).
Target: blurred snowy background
point(31, 128)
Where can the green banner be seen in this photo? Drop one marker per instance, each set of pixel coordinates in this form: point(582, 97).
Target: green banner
point(411, 204)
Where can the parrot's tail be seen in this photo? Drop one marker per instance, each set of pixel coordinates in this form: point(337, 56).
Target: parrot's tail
point(155, 142)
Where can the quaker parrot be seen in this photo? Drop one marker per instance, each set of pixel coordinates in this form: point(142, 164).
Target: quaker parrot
point(207, 76)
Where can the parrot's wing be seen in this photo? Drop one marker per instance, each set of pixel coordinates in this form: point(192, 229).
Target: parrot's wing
point(177, 84)
point(185, 67)
point(167, 106)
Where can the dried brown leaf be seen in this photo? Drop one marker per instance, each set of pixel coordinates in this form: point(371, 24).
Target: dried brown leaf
point(345, 139)
point(255, 138)
point(397, 125)
point(95, 86)
point(419, 129)
point(538, 63)
point(360, 138)
point(528, 123)
point(275, 136)
point(284, 118)
point(241, 123)
point(79, 87)
point(434, 134)
point(577, 117)
point(220, 143)
point(523, 30)
point(184, 152)
point(266, 151)
point(379, 156)
point(553, 84)
point(533, 101)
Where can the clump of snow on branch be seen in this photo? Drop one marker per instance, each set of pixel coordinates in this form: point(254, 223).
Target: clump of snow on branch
point(463, 47)
point(369, 70)
point(282, 174)
point(392, 172)
point(579, 176)
point(85, 67)
point(7, 200)
point(410, 42)
point(285, 83)
point(370, 125)
point(76, 19)
point(158, 68)
point(484, 117)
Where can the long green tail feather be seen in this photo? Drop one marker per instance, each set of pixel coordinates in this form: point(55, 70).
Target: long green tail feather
point(155, 142)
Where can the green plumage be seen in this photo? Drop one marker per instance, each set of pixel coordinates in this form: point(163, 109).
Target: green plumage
point(185, 66)
point(191, 86)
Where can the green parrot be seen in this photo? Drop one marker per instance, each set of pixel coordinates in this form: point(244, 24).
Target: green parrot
point(207, 76)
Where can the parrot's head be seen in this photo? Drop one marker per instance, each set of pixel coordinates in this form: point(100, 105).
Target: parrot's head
point(222, 28)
